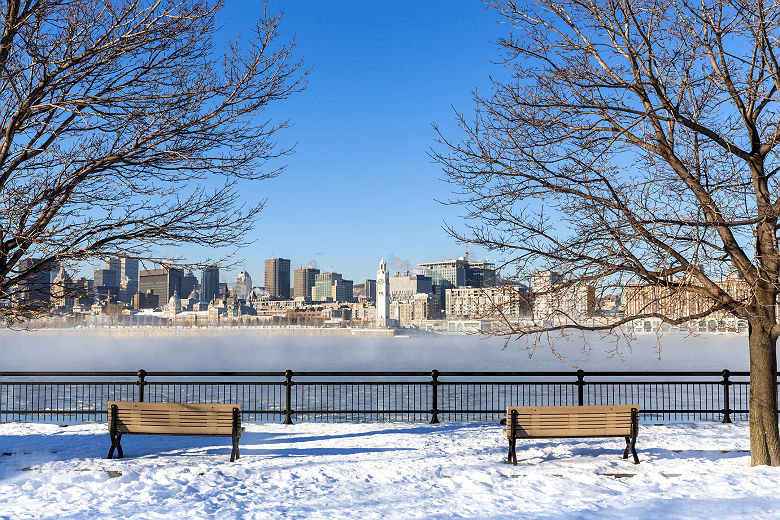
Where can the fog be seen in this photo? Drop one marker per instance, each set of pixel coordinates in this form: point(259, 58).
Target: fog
point(252, 351)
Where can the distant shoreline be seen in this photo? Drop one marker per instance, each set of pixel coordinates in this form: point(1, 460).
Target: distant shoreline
point(162, 332)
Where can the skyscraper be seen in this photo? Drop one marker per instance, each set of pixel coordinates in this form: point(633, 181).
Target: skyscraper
point(189, 283)
point(243, 287)
point(277, 278)
point(34, 291)
point(305, 279)
point(107, 282)
point(62, 290)
point(209, 284)
point(369, 289)
point(323, 286)
point(162, 282)
point(128, 278)
point(114, 264)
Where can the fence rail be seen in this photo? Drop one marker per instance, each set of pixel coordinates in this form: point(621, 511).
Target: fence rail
point(375, 396)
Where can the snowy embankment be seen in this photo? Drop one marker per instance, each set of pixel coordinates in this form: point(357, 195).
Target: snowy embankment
point(388, 470)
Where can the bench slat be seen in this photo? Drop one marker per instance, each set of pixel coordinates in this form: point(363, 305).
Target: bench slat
point(174, 418)
point(571, 421)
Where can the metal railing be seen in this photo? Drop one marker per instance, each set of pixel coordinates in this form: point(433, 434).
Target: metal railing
point(375, 396)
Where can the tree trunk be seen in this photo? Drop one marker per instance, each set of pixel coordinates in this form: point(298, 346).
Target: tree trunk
point(764, 438)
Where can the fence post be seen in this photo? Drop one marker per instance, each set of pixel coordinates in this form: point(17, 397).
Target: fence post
point(435, 396)
point(141, 384)
point(580, 387)
point(288, 399)
point(726, 400)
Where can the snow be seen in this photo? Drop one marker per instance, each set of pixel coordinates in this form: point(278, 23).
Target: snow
point(382, 470)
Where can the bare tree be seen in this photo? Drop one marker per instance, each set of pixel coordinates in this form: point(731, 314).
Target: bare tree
point(634, 143)
point(124, 126)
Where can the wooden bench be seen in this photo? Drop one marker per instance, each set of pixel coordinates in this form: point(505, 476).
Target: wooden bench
point(547, 422)
point(210, 420)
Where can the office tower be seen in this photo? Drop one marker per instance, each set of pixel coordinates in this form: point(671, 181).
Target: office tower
point(106, 282)
point(62, 290)
point(305, 279)
point(35, 289)
point(341, 290)
point(128, 278)
point(323, 286)
point(209, 284)
point(189, 283)
point(114, 264)
point(404, 287)
point(161, 282)
point(481, 274)
point(370, 290)
point(243, 287)
point(447, 273)
point(277, 278)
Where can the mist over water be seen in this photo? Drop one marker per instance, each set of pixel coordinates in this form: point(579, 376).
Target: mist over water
point(250, 351)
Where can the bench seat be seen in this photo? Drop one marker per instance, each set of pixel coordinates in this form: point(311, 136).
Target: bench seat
point(207, 420)
point(546, 422)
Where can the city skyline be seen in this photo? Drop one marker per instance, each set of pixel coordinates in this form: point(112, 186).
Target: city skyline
point(360, 185)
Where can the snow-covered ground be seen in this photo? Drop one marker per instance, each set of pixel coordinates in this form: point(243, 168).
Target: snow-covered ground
point(388, 470)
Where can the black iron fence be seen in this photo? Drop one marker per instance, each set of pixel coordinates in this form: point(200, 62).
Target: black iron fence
point(375, 396)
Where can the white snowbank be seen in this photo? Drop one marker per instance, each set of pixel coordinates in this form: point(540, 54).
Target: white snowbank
point(387, 470)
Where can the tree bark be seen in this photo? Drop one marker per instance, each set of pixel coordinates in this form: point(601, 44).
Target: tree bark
point(764, 437)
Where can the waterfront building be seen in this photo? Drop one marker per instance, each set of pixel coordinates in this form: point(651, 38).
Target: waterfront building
point(448, 274)
point(485, 303)
point(419, 308)
point(277, 278)
point(162, 282)
point(554, 299)
point(209, 284)
point(404, 287)
point(382, 295)
point(304, 280)
point(174, 304)
point(677, 302)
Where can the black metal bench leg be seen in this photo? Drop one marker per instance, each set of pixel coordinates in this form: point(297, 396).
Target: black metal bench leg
point(634, 433)
point(511, 457)
point(234, 453)
point(115, 444)
point(633, 450)
point(628, 447)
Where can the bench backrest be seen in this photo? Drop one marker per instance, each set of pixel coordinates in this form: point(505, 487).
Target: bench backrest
point(571, 421)
point(173, 418)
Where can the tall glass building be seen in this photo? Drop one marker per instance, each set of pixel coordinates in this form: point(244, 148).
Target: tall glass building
point(209, 284)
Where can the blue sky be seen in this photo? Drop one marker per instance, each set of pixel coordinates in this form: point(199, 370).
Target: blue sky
point(360, 185)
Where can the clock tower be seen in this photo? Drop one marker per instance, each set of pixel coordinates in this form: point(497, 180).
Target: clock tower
point(382, 295)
